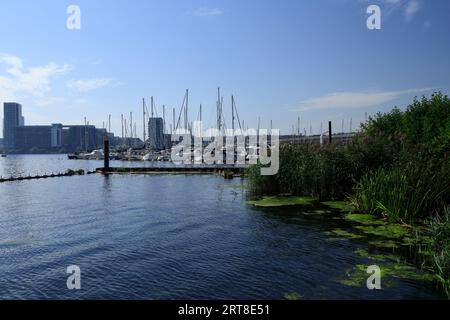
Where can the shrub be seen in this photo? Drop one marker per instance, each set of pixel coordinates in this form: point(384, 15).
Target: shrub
point(407, 192)
point(307, 170)
point(439, 247)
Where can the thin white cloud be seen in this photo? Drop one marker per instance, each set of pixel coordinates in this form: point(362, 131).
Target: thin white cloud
point(355, 99)
point(411, 9)
point(407, 8)
point(206, 12)
point(48, 101)
point(34, 81)
point(86, 85)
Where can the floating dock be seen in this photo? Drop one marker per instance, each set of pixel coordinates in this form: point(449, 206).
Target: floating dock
point(180, 169)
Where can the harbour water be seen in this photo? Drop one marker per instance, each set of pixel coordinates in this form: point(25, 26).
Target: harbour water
point(166, 237)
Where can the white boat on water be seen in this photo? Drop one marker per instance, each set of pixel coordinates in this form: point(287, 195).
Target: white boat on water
point(147, 157)
point(94, 155)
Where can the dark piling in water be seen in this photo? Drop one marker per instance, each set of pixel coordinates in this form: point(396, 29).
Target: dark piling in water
point(106, 154)
point(330, 134)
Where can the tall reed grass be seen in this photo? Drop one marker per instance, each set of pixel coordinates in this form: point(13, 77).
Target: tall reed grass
point(407, 192)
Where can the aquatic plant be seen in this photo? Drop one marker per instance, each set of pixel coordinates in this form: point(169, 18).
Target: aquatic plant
point(439, 247)
point(405, 193)
point(293, 296)
point(281, 201)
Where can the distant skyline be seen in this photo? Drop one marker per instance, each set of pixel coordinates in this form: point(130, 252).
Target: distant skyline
point(281, 59)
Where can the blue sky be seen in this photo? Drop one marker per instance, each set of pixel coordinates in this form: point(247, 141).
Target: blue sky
point(281, 59)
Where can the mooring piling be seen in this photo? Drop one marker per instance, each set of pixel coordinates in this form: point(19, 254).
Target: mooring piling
point(106, 154)
point(330, 133)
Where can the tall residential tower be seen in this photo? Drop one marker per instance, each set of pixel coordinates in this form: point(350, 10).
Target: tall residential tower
point(12, 118)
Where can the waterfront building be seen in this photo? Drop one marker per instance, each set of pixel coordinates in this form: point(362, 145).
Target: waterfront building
point(12, 118)
point(167, 141)
point(81, 138)
point(55, 137)
point(28, 137)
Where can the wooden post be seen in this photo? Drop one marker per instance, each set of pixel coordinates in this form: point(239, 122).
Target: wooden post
point(329, 132)
point(106, 153)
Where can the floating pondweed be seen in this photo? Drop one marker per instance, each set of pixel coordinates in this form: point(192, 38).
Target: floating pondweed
point(281, 201)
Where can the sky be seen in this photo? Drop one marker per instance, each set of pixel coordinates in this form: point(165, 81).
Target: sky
point(313, 59)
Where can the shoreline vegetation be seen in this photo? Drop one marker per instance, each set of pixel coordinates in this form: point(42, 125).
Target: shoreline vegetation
point(393, 180)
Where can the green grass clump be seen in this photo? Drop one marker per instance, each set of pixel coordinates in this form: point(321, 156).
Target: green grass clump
point(409, 192)
point(438, 248)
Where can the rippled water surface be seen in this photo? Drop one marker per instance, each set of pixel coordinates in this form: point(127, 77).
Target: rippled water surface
point(164, 237)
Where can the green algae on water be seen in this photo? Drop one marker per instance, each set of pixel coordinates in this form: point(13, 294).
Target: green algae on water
point(377, 256)
point(387, 244)
point(338, 205)
point(363, 219)
point(293, 296)
point(281, 201)
point(339, 233)
point(358, 275)
point(390, 231)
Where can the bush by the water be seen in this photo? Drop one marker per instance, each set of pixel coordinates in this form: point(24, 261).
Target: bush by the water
point(407, 192)
point(439, 247)
point(307, 170)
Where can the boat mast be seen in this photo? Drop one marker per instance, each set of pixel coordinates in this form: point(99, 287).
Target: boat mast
point(164, 118)
point(173, 123)
point(186, 120)
point(131, 128)
point(121, 117)
point(143, 118)
point(232, 113)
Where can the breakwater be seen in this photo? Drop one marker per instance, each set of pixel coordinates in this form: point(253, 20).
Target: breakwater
point(68, 173)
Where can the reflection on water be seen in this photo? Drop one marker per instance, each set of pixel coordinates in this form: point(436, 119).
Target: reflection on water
point(164, 237)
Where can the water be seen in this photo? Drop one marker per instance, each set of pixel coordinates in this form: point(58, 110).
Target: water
point(20, 165)
point(164, 237)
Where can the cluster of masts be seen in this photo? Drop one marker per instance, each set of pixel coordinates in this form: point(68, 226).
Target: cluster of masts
point(180, 121)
